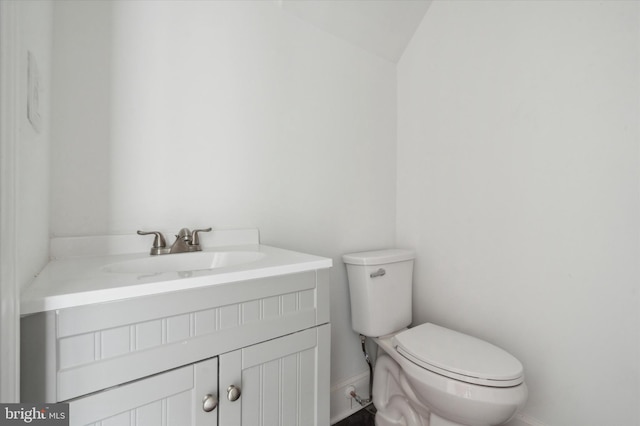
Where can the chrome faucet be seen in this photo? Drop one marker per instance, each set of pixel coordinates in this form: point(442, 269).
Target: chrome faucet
point(186, 241)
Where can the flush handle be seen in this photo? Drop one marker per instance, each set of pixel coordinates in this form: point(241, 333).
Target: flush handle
point(379, 273)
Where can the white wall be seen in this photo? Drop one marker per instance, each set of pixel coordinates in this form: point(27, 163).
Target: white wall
point(33, 147)
point(224, 114)
point(518, 185)
point(24, 171)
point(517, 163)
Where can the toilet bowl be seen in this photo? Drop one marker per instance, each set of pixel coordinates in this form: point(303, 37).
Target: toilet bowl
point(427, 375)
point(457, 380)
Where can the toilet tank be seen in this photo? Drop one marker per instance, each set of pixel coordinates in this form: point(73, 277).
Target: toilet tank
point(380, 287)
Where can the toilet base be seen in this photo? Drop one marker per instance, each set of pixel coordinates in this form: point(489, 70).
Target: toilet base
point(382, 420)
point(435, 420)
point(398, 412)
point(394, 407)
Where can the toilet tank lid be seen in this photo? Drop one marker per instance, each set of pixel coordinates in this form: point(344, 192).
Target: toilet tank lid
point(378, 257)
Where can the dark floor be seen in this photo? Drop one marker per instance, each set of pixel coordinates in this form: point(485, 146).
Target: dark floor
point(363, 417)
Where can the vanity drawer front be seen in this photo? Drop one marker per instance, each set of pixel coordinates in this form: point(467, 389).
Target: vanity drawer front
point(111, 315)
point(170, 398)
point(122, 341)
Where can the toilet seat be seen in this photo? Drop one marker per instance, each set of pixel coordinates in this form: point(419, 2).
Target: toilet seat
point(458, 356)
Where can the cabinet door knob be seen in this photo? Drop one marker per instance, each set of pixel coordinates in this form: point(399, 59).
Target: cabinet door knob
point(233, 393)
point(209, 403)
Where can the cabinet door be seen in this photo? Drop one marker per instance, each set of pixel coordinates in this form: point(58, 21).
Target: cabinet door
point(283, 382)
point(173, 398)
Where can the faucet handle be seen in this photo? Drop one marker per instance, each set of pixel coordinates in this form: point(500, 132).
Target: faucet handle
point(195, 239)
point(158, 241)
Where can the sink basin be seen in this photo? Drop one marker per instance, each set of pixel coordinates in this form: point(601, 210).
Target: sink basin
point(182, 262)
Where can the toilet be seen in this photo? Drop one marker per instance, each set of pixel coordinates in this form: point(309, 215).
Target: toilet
point(426, 375)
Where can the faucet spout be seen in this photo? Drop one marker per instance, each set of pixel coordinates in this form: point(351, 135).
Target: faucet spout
point(182, 244)
point(185, 235)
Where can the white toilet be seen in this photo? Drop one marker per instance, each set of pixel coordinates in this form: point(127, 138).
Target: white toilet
point(426, 375)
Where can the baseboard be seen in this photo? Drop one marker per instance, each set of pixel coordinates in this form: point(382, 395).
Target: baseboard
point(341, 405)
point(523, 420)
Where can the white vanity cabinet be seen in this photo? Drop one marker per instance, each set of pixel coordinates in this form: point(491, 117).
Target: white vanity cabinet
point(280, 381)
point(154, 360)
point(175, 398)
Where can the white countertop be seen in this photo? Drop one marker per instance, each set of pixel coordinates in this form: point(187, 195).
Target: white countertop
point(77, 281)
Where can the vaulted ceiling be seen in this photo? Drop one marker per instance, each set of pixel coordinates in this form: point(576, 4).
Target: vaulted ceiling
point(382, 27)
